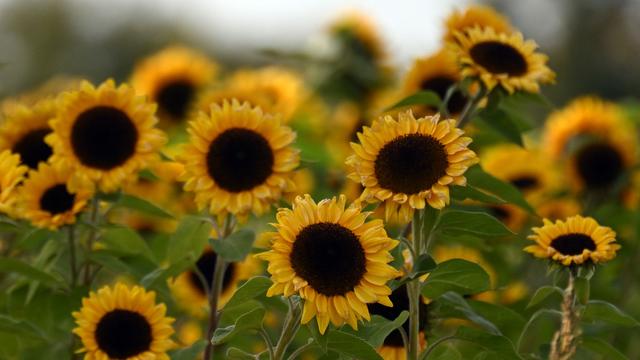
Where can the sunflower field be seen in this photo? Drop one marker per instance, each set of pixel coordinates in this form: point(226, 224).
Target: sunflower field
point(322, 205)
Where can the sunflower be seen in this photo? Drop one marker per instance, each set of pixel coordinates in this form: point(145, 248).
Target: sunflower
point(408, 163)
point(11, 175)
point(475, 16)
point(596, 137)
point(24, 129)
point(239, 159)
point(106, 133)
point(335, 260)
point(436, 73)
point(123, 322)
point(172, 78)
point(191, 293)
point(512, 216)
point(500, 59)
point(558, 208)
point(220, 94)
point(358, 31)
point(347, 121)
point(46, 200)
point(577, 240)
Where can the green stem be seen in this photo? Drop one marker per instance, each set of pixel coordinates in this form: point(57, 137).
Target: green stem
point(72, 256)
point(289, 330)
point(267, 341)
point(470, 107)
point(95, 205)
point(445, 102)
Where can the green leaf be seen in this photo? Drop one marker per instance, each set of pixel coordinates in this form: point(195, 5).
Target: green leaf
point(542, 293)
point(22, 328)
point(124, 240)
point(461, 276)
point(503, 123)
point(161, 274)
point(425, 264)
point(509, 322)
point(236, 246)
point(12, 265)
point(34, 238)
point(249, 321)
point(379, 328)
point(189, 353)
point(143, 206)
point(603, 348)
point(351, 345)
point(429, 98)
point(398, 258)
point(455, 222)
point(444, 352)
point(109, 261)
point(234, 353)
point(252, 288)
point(598, 310)
point(189, 239)
point(460, 305)
point(499, 346)
point(478, 178)
point(462, 193)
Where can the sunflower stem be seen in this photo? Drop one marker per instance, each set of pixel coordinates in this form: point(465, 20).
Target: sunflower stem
point(95, 205)
point(470, 107)
point(564, 343)
point(413, 288)
point(72, 255)
point(289, 329)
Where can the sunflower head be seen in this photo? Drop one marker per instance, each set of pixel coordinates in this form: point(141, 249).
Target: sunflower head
point(475, 16)
point(105, 134)
point(239, 159)
point(359, 33)
point(576, 241)
point(123, 322)
point(333, 258)
point(11, 175)
point(408, 163)
point(501, 59)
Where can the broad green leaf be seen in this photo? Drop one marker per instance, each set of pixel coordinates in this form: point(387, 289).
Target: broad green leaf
point(542, 293)
point(602, 347)
point(236, 246)
point(189, 239)
point(598, 310)
point(230, 314)
point(252, 288)
point(460, 305)
point(429, 98)
point(500, 346)
point(20, 327)
point(35, 238)
point(379, 328)
point(351, 345)
point(503, 123)
point(125, 241)
point(444, 352)
point(190, 352)
point(461, 276)
point(109, 261)
point(234, 353)
point(143, 206)
point(509, 322)
point(470, 222)
point(462, 193)
point(398, 258)
point(425, 264)
point(479, 179)
point(161, 274)
point(12, 265)
point(249, 321)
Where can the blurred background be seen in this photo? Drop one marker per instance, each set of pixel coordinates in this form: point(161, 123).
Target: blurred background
point(592, 44)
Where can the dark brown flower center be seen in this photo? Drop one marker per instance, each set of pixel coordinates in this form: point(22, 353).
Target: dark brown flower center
point(525, 182)
point(175, 97)
point(411, 163)
point(32, 148)
point(599, 165)
point(329, 257)
point(123, 333)
point(499, 58)
point(440, 85)
point(573, 244)
point(239, 160)
point(104, 137)
point(500, 212)
point(57, 200)
point(206, 265)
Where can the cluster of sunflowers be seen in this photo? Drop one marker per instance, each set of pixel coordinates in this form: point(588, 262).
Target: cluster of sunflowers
point(123, 204)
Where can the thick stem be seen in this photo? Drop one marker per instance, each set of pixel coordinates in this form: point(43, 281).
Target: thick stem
point(289, 330)
point(564, 343)
point(214, 295)
point(72, 256)
point(413, 289)
point(470, 107)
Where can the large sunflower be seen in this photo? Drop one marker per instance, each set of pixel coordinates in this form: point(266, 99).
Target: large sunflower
point(172, 78)
point(191, 293)
point(11, 175)
point(501, 59)
point(24, 129)
point(46, 200)
point(597, 139)
point(577, 240)
point(106, 133)
point(359, 31)
point(123, 323)
point(408, 163)
point(475, 16)
point(239, 159)
point(335, 260)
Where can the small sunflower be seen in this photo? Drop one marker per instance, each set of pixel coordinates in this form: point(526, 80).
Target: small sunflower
point(191, 293)
point(106, 134)
point(501, 59)
point(475, 16)
point(577, 240)
point(173, 78)
point(46, 200)
point(358, 30)
point(11, 175)
point(408, 163)
point(24, 129)
point(123, 322)
point(596, 137)
point(239, 159)
point(335, 260)
point(558, 208)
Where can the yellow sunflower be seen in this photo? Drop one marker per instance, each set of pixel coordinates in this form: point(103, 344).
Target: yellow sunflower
point(475, 16)
point(172, 78)
point(596, 137)
point(106, 134)
point(24, 129)
point(11, 175)
point(46, 200)
point(558, 208)
point(355, 26)
point(123, 323)
point(512, 216)
point(333, 258)
point(239, 159)
point(501, 59)
point(219, 94)
point(408, 163)
point(191, 293)
point(347, 121)
point(577, 240)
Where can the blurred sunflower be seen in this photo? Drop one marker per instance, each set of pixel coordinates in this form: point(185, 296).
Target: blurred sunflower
point(47, 202)
point(408, 163)
point(11, 175)
point(475, 16)
point(24, 129)
point(123, 323)
point(500, 59)
point(360, 34)
point(173, 78)
point(577, 240)
point(347, 121)
point(558, 208)
point(239, 159)
point(219, 94)
point(191, 293)
point(106, 134)
point(335, 260)
point(597, 139)
point(512, 216)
